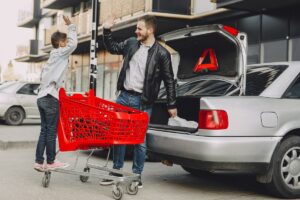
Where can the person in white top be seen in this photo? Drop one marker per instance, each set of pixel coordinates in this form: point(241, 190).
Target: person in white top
point(52, 78)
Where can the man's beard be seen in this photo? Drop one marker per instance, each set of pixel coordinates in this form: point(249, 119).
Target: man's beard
point(143, 38)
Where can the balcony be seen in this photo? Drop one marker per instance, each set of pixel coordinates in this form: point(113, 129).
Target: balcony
point(255, 5)
point(59, 4)
point(26, 19)
point(123, 8)
point(29, 18)
point(29, 53)
point(176, 9)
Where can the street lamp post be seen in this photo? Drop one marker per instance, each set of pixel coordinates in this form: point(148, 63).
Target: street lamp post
point(94, 45)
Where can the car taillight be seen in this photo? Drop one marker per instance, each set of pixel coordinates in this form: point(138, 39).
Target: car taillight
point(231, 30)
point(213, 119)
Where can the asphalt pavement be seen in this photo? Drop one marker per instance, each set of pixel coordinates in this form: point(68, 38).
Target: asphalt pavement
point(20, 182)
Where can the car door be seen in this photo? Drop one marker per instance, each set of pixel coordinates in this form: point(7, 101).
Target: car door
point(27, 96)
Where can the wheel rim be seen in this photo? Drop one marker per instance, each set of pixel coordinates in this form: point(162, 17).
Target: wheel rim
point(290, 168)
point(15, 116)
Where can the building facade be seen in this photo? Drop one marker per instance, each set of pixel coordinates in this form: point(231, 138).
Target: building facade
point(273, 32)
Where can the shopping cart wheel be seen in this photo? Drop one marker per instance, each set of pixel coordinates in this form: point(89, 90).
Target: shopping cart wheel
point(132, 188)
point(117, 192)
point(85, 178)
point(46, 179)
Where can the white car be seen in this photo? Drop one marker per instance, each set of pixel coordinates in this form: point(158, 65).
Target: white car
point(18, 101)
point(248, 117)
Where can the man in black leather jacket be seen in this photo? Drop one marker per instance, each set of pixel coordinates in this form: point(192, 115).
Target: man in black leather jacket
point(146, 63)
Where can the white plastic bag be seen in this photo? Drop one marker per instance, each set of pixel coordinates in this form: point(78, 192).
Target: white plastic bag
point(177, 121)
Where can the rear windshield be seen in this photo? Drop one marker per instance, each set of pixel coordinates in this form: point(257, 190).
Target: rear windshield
point(201, 88)
point(259, 78)
point(190, 50)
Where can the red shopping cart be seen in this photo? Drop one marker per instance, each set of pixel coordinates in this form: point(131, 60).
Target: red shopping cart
point(87, 122)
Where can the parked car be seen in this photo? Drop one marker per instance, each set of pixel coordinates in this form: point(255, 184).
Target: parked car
point(18, 101)
point(248, 117)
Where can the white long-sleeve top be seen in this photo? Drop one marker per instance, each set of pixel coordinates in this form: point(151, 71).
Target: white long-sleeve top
point(54, 71)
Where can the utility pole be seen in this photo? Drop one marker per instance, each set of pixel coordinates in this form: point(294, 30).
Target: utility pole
point(94, 45)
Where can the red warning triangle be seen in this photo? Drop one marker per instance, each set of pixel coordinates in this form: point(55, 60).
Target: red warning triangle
point(212, 66)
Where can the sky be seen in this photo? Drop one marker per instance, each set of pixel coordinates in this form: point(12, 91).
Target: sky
point(11, 35)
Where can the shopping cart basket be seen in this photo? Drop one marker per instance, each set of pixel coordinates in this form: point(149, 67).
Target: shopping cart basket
point(88, 123)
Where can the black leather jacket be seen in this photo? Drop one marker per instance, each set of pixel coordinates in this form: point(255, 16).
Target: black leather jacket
point(158, 68)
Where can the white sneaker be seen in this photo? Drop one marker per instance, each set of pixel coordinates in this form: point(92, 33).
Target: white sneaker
point(39, 167)
point(57, 165)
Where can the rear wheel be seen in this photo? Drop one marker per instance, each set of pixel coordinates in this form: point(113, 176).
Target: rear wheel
point(14, 116)
point(196, 172)
point(286, 169)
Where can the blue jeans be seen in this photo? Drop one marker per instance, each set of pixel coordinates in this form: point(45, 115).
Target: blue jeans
point(139, 151)
point(49, 112)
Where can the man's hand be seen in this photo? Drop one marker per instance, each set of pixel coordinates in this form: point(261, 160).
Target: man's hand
point(173, 112)
point(108, 24)
point(67, 20)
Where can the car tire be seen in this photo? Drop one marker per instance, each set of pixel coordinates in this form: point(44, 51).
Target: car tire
point(286, 169)
point(14, 116)
point(196, 172)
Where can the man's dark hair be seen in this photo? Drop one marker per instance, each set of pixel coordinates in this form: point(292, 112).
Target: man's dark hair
point(149, 21)
point(56, 37)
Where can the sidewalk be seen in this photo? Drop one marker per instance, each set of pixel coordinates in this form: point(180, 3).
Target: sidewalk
point(23, 136)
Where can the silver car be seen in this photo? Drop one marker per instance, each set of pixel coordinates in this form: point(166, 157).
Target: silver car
point(18, 101)
point(249, 117)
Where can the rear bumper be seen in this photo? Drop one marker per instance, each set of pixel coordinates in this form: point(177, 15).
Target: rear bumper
point(230, 152)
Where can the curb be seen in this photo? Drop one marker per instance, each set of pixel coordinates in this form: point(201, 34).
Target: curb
point(5, 145)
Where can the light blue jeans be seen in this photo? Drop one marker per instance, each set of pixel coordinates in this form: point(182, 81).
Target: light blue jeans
point(139, 152)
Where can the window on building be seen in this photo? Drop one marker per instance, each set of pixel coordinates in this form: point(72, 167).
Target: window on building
point(87, 5)
point(294, 22)
point(294, 91)
point(274, 26)
point(54, 20)
point(275, 51)
point(172, 6)
point(253, 55)
point(76, 10)
point(295, 47)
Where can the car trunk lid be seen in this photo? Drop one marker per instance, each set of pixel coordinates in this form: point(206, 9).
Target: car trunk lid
point(210, 51)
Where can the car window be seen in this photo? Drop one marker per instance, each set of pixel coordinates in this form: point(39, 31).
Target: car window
point(294, 91)
point(259, 78)
point(28, 89)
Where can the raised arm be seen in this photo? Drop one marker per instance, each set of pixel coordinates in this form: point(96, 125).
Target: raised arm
point(110, 44)
point(72, 38)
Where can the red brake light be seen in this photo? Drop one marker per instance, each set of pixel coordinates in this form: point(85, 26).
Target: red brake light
point(213, 119)
point(231, 30)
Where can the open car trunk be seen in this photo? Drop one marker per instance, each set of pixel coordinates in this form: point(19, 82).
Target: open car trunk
point(188, 108)
point(211, 53)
